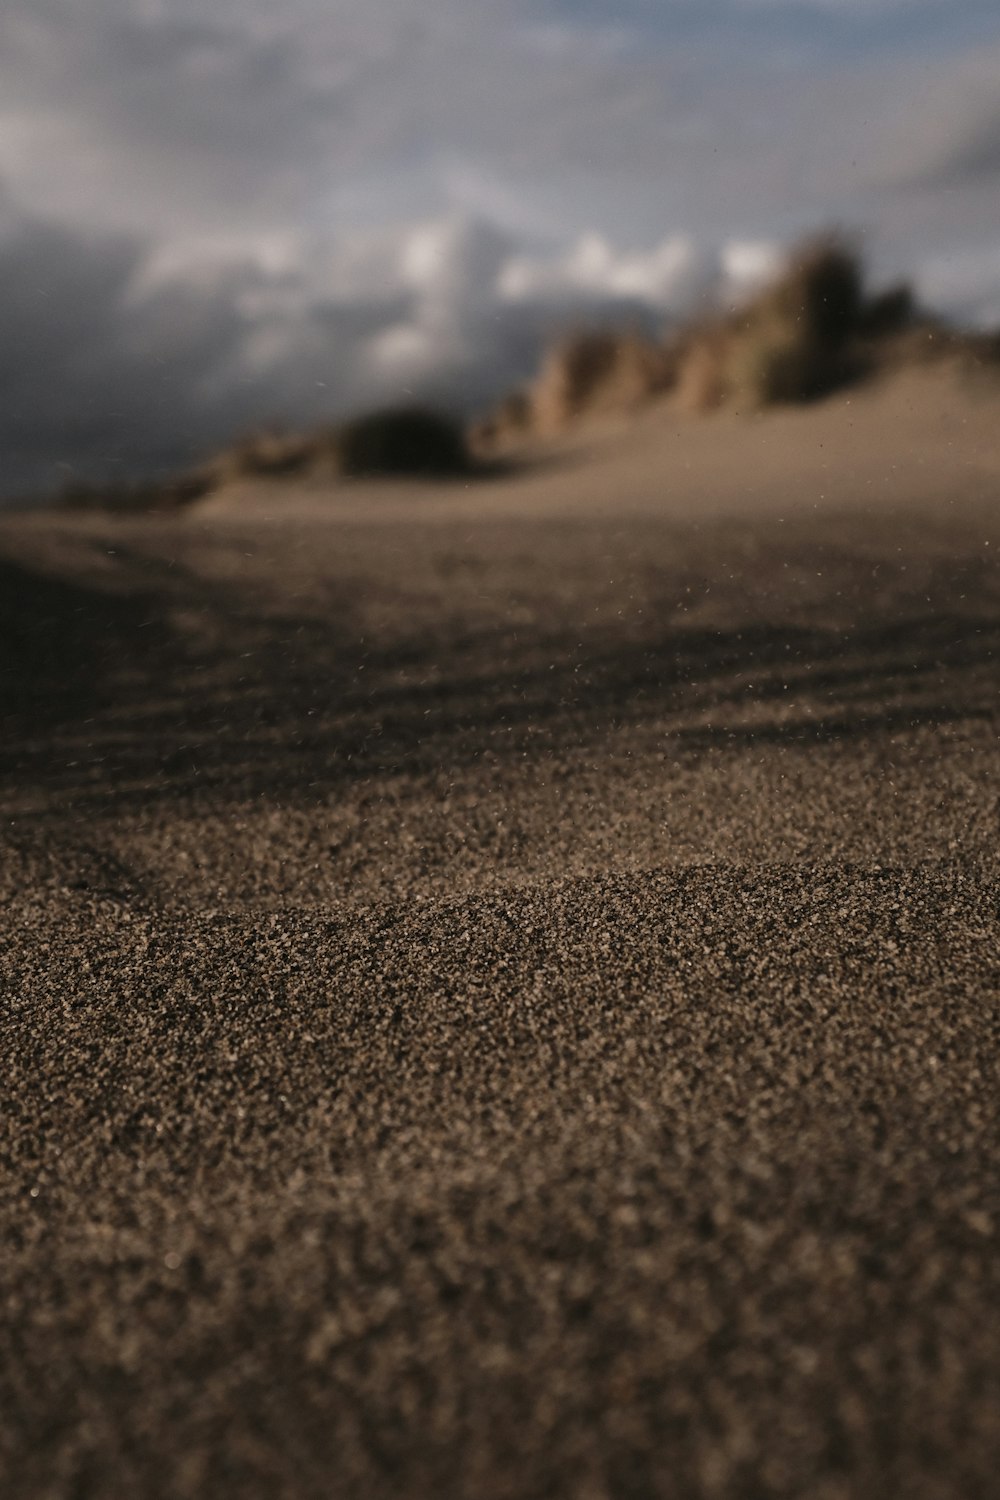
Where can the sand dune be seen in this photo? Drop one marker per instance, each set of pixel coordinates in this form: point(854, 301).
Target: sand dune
point(924, 436)
point(501, 981)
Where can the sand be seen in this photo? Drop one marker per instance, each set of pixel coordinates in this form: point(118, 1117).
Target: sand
point(500, 982)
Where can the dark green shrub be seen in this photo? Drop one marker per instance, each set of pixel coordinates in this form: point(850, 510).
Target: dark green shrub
point(402, 441)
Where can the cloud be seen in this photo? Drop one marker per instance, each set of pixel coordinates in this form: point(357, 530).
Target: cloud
point(966, 282)
point(940, 128)
point(148, 117)
point(747, 265)
point(87, 379)
point(978, 156)
point(131, 115)
point(669, 278)
point(961, 146)
point(164, 118)
point(114, 364)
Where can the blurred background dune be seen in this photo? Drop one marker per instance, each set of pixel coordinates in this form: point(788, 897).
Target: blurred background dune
point(255, 220)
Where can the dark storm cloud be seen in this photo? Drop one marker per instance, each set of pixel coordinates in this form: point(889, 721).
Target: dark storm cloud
point(105, 373)
point(86, 380)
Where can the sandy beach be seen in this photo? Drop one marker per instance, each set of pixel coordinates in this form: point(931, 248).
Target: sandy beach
point(501, 980)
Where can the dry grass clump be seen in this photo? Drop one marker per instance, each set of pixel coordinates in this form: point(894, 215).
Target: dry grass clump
point(597, 372)
point(402, 442)
point(588, 373)
point(793, 342)
point(701, 355)
point(270, 454)
point(811, 331)
point(513, 418)
point(259, 456)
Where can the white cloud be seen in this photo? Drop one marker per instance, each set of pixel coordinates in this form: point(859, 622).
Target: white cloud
point(747, 265)
point(454, 263)
point(668, 278)
point(672, 278)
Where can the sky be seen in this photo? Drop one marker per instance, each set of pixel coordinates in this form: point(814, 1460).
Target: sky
point(213, 218)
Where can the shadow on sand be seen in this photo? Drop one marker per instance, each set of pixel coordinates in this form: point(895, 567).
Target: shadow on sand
point(104, 700)
point(63, 643)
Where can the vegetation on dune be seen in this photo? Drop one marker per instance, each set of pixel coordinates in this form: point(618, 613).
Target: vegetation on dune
point(792, 343)
point(700, 367)
point(600, 371)
point(512, 418)
point(809, 331)
point(402, 442)
point(270, 454)
point(797, 339)
point(589, 372)
point(399, 441)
